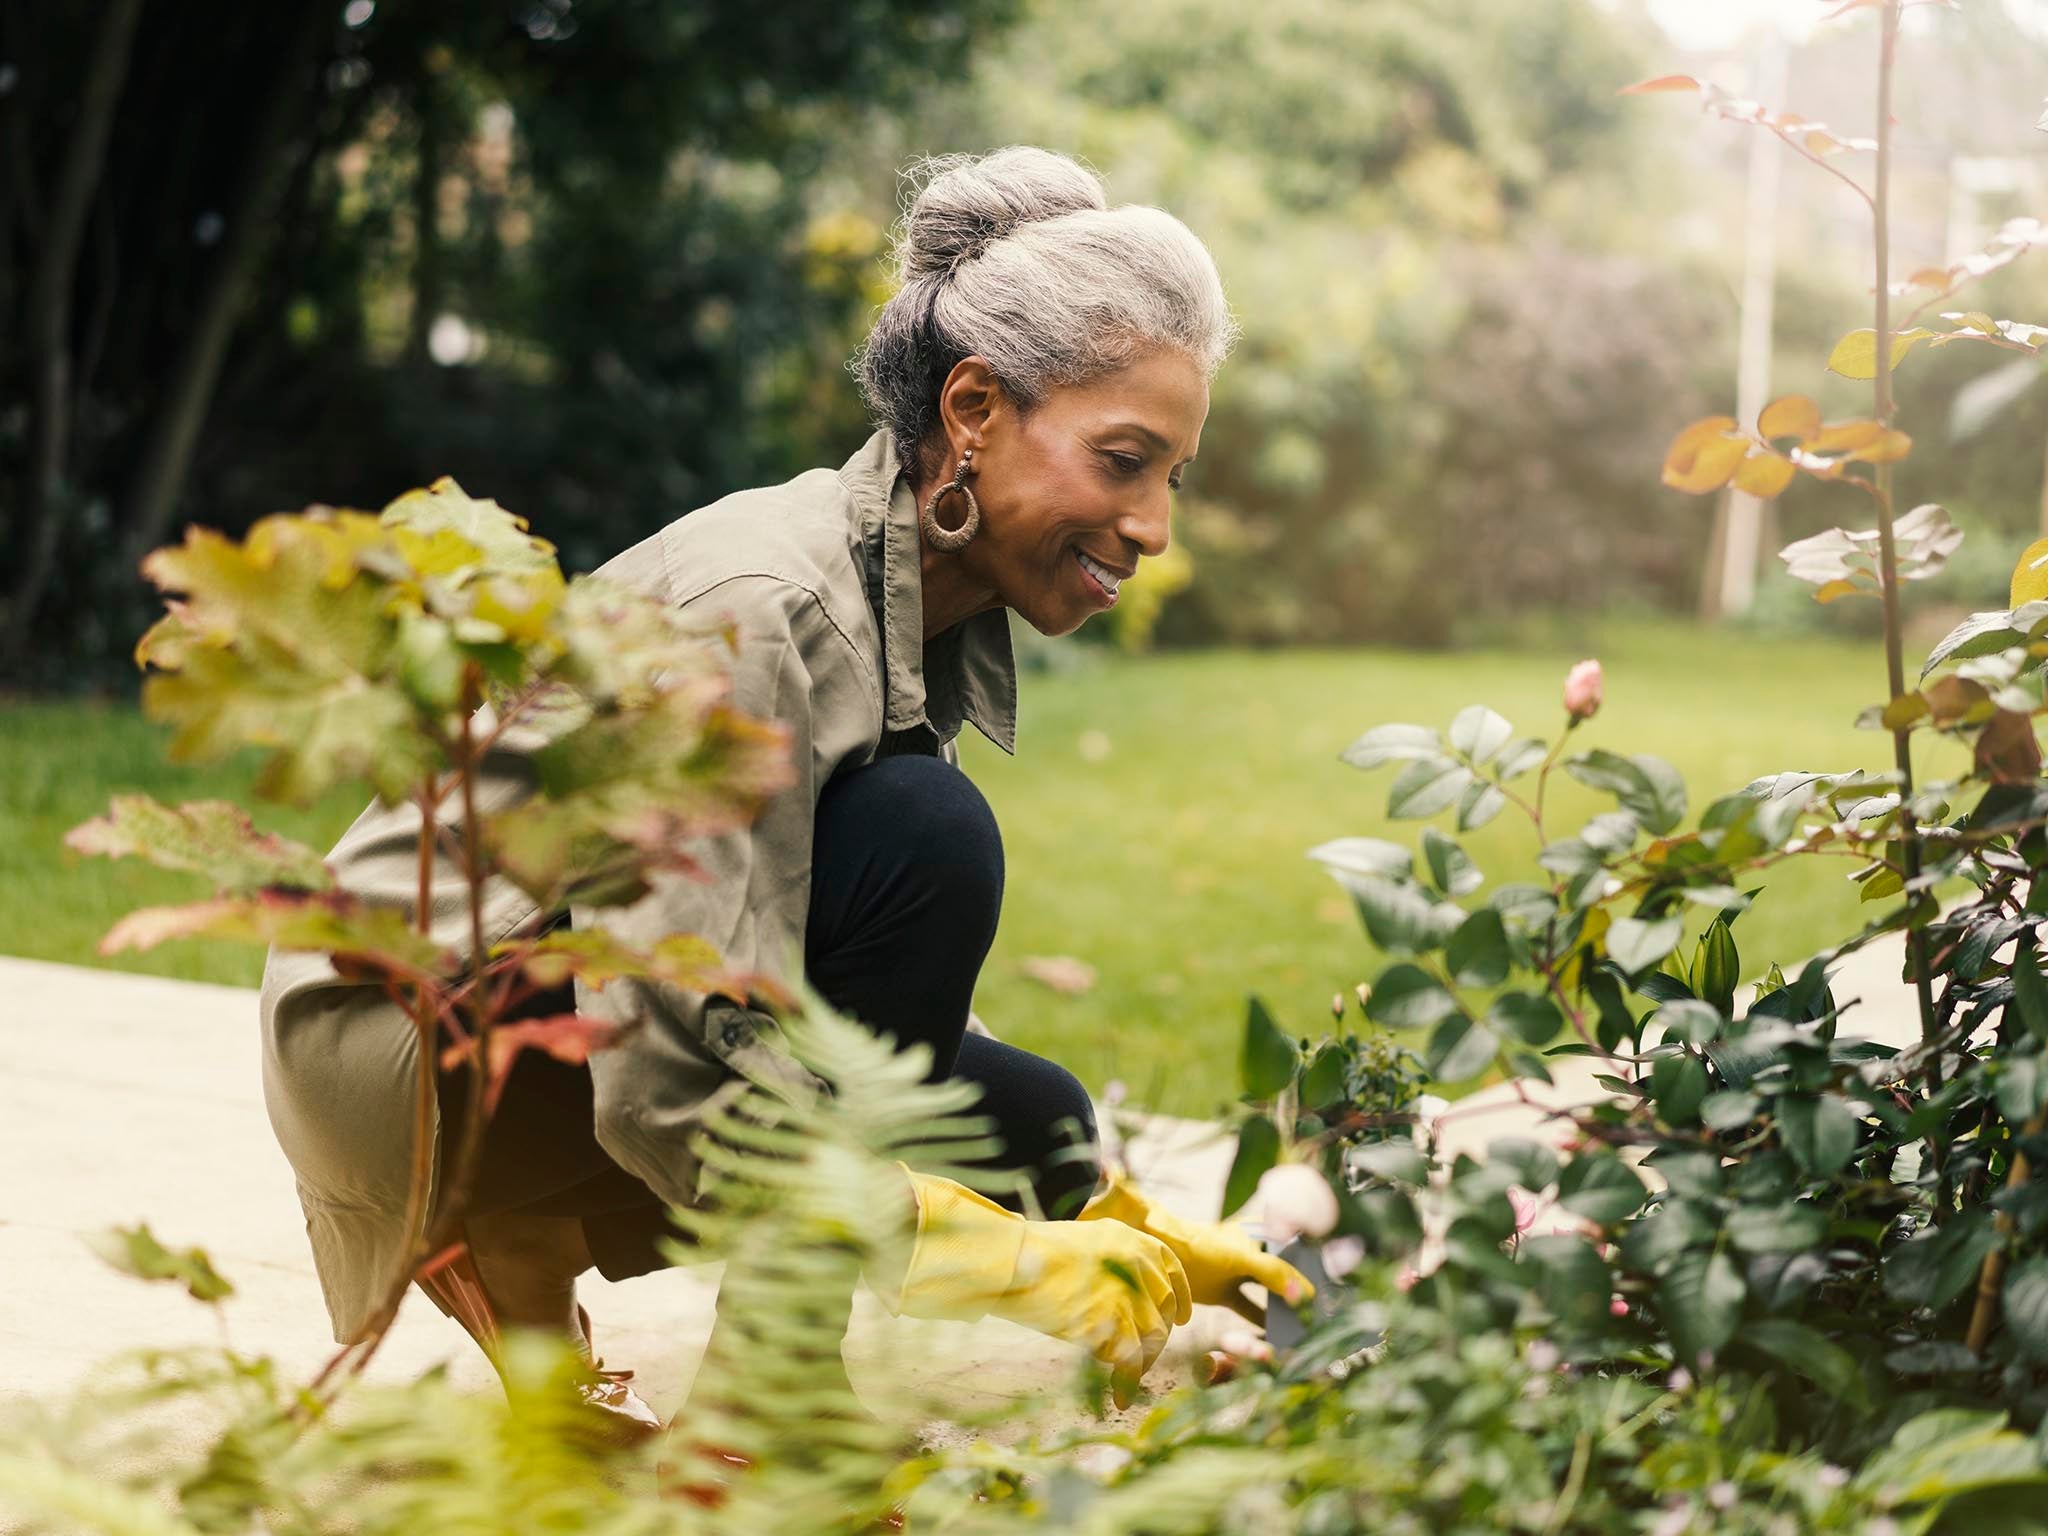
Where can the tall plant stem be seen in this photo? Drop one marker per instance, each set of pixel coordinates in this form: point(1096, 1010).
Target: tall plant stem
point(1888, 556)
point(1991, 1278)
point(442, 1228)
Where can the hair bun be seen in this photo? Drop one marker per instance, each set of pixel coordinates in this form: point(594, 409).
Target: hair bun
point(965, 202)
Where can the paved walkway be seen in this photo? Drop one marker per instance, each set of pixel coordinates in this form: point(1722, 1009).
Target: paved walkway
point(127, 1099)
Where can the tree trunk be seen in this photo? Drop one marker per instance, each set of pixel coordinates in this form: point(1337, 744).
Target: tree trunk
point(188, 392)
point(427, 282)
point(49, 324)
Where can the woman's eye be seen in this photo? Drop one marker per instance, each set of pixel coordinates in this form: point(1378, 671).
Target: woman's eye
point(1129, 463)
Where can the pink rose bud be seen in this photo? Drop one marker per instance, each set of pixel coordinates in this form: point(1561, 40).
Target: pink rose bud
point(1584, 687)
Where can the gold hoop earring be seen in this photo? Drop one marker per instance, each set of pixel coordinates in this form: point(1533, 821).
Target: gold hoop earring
point(947, 540)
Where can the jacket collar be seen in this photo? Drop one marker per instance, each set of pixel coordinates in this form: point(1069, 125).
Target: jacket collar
point(969, 672)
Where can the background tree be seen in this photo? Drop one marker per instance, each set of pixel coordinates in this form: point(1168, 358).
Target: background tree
point(225, 248)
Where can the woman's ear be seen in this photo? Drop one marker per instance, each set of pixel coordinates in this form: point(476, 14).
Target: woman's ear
point(969, 400)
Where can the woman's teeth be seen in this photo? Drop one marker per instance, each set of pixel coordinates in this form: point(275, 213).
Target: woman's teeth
point(1103, 578)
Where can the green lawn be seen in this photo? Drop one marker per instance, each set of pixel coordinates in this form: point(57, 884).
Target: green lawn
point(1171, 862)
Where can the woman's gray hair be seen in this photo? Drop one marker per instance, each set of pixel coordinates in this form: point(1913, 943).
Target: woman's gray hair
point(1015, 257)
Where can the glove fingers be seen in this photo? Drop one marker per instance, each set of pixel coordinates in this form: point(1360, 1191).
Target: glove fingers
point(1124, 1354)
point(1281, 1278)
point(1152, 1330)
point(1166, 1282)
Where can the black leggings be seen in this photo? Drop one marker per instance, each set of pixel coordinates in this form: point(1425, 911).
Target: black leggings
point(906, 886)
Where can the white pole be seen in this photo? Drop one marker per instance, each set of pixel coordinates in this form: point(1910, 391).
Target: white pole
point(1742, 513)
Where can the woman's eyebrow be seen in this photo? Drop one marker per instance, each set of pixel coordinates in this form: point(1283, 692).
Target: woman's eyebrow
point(1147, 435)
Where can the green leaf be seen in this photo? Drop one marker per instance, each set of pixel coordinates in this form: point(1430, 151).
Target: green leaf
point(1401, 919)
point(1426, 786)
point(1700, 1301)
point(1395, 1160)
point(212, 838)
point(2020, 1084)
point(1258, 1150)
point(1393, 743)
point(136, 1251)
point(327, 921)
point(1601, 1188)
point(1690, 1020)
point(1479, 733)
point(1937, 1266)
point(1408, 997)
point(1691, 1175)
point(1479, 804)
point(2025, 1304)
point(1981, 634)
point(1569, 857)
point(1670, 1229)
point(1572, 1280)
point(2029, 988)
point(1855, 355)
point(1826, 1364)
point(1664, 807)
point(1947, 1452)
point(1727, 1109)
point(1678, 1084)
point(1267, 1061)
point(1461, 1049)
point(1451, 870)
point(1372, 856)
point(1478, 952)
point(1518, 757)
point(1636, 945)
point(1533, 1165)
point(1529, 1016)
point(1820, 1133)
point(1647, 787)
point(1323, 1083)
point(1787, 1228)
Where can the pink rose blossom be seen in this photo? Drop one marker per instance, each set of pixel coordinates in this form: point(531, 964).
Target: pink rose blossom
point(1341, 1255)
point(1296, 1201)
point(1618, 1307)
point(1526, 1206)
point(1584, 687)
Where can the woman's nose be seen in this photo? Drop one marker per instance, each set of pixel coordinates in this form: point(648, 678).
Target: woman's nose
point(1147, 525)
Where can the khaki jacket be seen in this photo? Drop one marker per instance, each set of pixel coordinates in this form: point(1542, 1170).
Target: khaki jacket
point(821, 576)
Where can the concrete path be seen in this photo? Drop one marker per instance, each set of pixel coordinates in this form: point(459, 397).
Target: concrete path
point(126, 1099)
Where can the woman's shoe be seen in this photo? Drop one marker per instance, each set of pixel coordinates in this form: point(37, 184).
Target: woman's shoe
point(607, 1392)
point(455, 1285)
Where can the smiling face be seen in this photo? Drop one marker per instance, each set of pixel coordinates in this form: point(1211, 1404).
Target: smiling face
point(1074, 491)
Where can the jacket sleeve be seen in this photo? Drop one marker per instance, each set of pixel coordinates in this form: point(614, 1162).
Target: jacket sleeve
point(796, 666)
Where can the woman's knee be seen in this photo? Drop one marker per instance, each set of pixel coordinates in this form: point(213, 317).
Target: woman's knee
point(926, 819)
point(1069, 1169)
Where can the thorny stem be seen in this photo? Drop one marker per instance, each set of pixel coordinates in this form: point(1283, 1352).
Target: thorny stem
point(1894, 653)
point(1991, 1278)
point(443, 1231)
point(1984, 1315)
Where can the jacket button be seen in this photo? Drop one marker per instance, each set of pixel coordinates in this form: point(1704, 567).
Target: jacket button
point(734, 1035)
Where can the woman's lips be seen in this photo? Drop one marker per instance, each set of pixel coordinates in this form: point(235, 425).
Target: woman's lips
point(1099, 577)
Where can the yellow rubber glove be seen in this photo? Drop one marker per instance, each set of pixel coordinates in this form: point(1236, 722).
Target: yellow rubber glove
point(1218, 1256)
point(1109, 1288)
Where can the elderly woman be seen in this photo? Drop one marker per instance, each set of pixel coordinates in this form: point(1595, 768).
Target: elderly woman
point(1040, 380)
